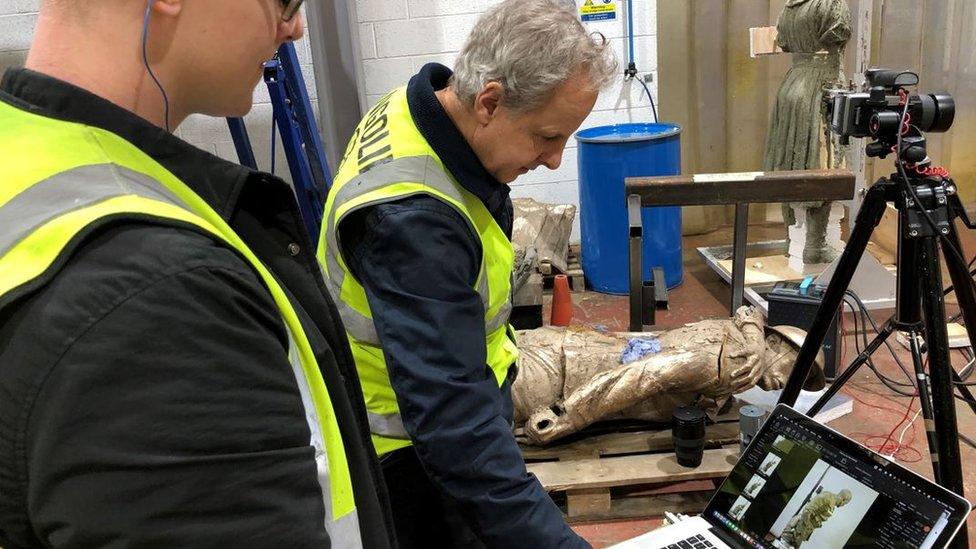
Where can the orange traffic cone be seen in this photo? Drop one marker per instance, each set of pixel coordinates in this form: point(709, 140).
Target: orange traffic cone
point(562, 304)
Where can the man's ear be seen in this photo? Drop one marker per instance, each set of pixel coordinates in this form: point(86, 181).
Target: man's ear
point(487, 101)
point(167, 8)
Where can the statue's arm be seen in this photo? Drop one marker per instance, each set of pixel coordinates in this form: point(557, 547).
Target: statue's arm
point(615, 390)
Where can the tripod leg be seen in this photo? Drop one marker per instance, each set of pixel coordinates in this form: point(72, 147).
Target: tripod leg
point(961, 280)
point(851, 369)
point(925, 400)
point(940, 370)
point(867, 219)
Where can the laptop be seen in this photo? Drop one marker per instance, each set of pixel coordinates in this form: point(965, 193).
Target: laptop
point(801, 484)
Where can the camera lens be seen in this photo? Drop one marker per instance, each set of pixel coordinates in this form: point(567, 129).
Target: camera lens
point(885, 123)
point(934, 112)
point(688, 432)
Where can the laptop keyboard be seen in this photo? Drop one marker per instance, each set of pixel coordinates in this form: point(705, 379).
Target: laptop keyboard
point(694, 542)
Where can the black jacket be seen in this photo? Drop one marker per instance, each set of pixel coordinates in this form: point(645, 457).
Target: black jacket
point(145, 395)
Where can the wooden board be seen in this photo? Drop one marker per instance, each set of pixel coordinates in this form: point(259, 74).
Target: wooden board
point(762, 41)
point(741, 188)
point(643, 441)
point(765, 270)
point(609, 472)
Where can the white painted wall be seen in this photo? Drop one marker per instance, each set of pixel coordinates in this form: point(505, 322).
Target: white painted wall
point(17, 20)
point(397, 37)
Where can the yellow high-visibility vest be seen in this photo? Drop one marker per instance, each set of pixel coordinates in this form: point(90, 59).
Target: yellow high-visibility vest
point(387, 160)
point(62, 179)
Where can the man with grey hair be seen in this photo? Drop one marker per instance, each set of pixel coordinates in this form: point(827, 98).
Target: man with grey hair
point(416, 250)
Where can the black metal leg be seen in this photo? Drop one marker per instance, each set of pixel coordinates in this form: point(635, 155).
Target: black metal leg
point(635, 239)
point(850, 370)
point(925, 400)
point(940, 371)
point(739, 255)
point(867, 219)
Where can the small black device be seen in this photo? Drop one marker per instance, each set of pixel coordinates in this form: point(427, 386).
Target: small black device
point(796, 304)
point(876, 111)
point(688, 432)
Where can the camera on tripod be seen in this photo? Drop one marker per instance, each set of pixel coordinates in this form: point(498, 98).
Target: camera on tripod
point(928, 206)
point(876, 111)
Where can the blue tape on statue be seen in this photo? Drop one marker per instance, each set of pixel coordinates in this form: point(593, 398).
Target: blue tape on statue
point(639, 348)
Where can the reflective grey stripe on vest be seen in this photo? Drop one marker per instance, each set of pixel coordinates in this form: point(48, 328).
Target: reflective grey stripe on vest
point(69, 191)
point(388, 425)
point(345, 531)
point(411, 169)
point(89, 185)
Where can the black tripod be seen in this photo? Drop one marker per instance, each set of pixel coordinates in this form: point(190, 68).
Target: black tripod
point(927, 207)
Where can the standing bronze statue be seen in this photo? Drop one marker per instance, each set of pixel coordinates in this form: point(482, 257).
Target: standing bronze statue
point(815, 32)
point(571, 378)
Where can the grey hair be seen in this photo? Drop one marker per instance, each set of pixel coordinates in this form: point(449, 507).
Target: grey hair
point(530, 47)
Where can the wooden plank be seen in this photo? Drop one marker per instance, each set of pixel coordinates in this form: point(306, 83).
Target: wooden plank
point(762, 41)
point(764, 270)
point(642, 441)
point(608, 472)
point(749, 187)
point(588, 502)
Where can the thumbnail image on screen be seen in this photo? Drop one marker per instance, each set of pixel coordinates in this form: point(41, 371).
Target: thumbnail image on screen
point(770, 464)
point(739, 508)
point(754, 486)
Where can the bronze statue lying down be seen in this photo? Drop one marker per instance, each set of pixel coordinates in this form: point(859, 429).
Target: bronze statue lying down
point(571, 378)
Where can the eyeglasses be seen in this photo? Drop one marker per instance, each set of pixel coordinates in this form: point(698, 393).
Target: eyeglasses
point(290, 8)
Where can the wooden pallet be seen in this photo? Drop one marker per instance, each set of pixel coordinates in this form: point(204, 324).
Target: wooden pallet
point(574, 271)
point(632, 474)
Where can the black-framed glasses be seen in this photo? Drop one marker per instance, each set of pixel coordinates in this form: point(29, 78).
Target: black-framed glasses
point(290, 9)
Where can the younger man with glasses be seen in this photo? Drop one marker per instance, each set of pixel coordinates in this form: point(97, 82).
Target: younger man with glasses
point(173, 372)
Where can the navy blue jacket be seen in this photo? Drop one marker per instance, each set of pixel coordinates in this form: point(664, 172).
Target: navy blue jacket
point(418, 261)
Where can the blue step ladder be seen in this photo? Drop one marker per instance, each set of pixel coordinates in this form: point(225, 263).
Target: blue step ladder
point(300, 139)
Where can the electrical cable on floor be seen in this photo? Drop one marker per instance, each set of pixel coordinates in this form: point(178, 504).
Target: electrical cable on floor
point(865, 318)
point(910, 424)
point(888, 382)
point(967, 440)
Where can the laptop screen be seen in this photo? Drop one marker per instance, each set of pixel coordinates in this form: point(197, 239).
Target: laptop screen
point(802, 484)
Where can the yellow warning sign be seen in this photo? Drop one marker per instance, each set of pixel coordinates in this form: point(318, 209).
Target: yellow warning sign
point(598, 10)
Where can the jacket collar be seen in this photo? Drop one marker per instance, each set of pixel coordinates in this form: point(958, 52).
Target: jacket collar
point(447, 141)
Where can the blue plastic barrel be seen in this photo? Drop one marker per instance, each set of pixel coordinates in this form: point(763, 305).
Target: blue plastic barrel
point(608, 154)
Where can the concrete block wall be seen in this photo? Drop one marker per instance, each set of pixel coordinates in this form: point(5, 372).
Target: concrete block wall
point(17, 20)
point(397, 37)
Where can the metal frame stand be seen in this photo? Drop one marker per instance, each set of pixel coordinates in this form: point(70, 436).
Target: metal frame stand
point(919, 304)
point(739, 189)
